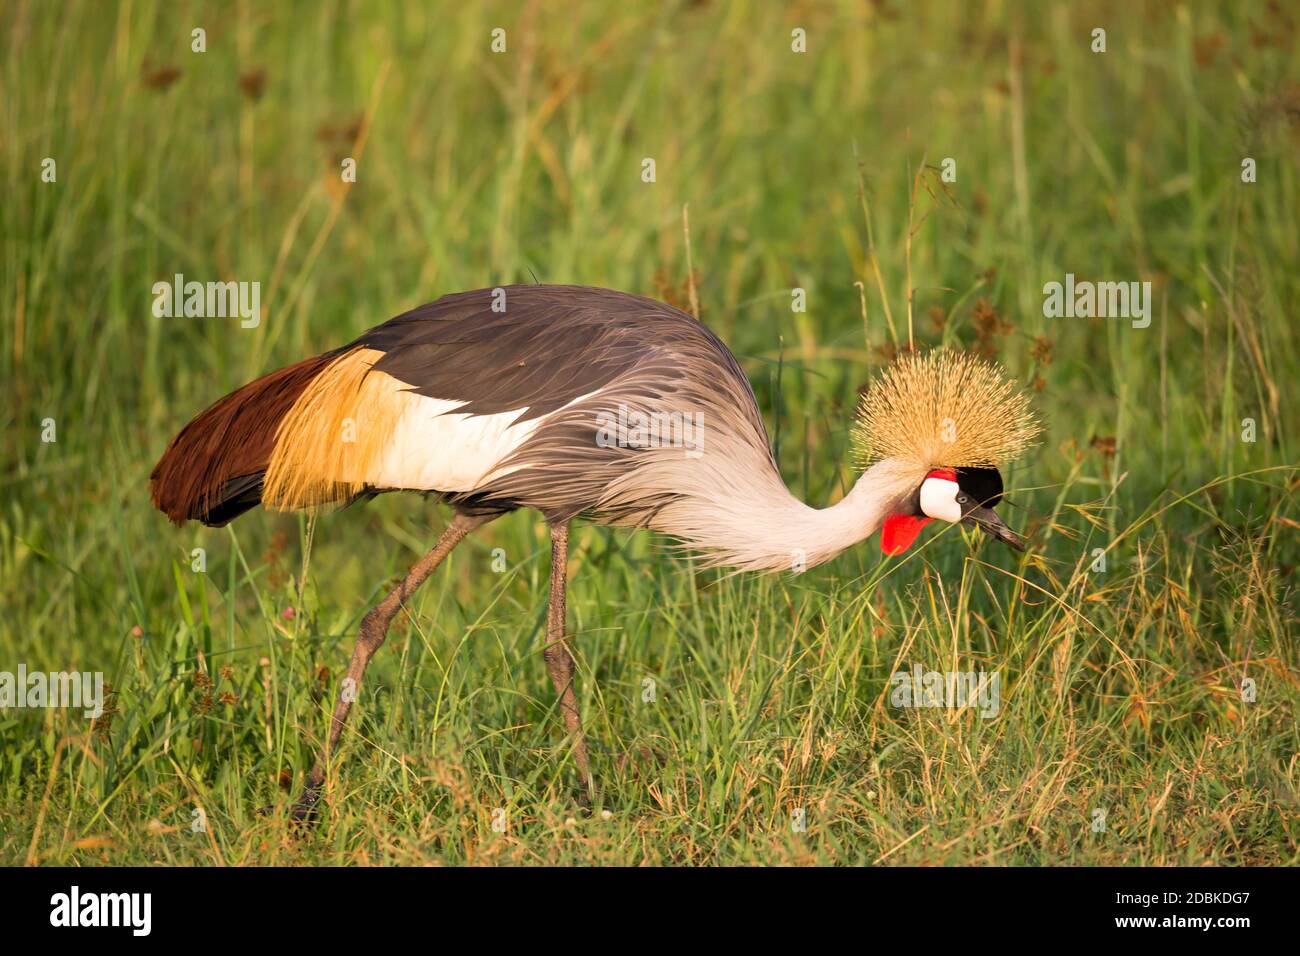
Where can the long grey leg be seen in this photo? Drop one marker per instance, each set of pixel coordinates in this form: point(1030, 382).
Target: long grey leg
point(558, 659)
point(374, 628)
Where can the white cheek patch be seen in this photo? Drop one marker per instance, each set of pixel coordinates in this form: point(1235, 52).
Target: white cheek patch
point(939, 499)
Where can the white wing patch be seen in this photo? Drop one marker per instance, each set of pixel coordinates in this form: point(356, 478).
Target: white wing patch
point(434, 449)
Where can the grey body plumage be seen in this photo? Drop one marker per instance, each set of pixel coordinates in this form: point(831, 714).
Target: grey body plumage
point(575, 356)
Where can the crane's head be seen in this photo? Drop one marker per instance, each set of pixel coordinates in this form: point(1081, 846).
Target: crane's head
point(948, 419)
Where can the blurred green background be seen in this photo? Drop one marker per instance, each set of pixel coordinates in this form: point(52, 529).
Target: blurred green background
point(819, 170)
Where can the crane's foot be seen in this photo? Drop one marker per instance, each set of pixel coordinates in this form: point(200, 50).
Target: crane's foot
point(634, 760)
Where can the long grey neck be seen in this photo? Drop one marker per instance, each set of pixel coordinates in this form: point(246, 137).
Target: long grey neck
point(882, 490)
point(755, 524)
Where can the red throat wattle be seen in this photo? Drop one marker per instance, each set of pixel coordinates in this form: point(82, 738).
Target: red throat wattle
point(899, 531)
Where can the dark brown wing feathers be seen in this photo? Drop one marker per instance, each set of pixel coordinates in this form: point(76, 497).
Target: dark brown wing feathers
point(211, 470)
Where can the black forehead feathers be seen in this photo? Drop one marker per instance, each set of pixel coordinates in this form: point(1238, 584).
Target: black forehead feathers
point(982, 484)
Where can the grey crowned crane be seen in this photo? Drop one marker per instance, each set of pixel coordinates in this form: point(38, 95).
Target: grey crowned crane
point(520, 397)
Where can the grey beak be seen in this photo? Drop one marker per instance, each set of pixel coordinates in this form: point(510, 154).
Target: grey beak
point(987, 520)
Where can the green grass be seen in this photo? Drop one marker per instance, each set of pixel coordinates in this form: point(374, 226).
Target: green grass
point(1119, 690)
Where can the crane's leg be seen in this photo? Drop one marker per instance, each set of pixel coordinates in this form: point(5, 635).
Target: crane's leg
point(374, 628)
point(558, 659)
